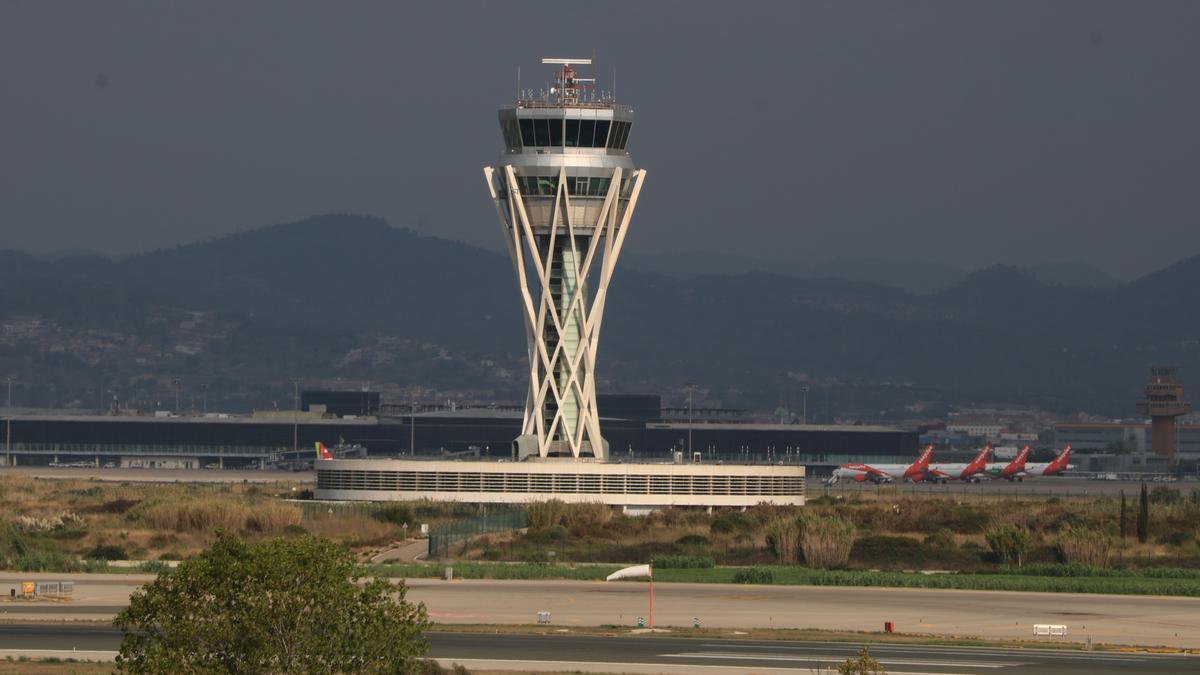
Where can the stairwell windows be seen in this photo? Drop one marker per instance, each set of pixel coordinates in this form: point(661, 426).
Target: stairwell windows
point(547, 185)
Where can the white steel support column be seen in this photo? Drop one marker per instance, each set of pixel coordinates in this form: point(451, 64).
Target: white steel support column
point(553, 261)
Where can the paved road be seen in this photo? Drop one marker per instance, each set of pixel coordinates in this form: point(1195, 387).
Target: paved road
point(657, 654)
point(1119, 619)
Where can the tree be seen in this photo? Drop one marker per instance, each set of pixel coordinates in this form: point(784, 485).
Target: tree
point(280, 606)
point(1124, 519)
point(1143, 517)
point(863, 664)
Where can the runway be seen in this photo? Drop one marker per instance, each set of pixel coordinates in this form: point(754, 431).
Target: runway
point(1114, 619)
point(665, 654)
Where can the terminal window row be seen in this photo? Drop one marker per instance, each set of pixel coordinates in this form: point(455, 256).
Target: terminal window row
point(558, 133)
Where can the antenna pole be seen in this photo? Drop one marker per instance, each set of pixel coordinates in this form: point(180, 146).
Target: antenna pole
point(518, 83)
point(614, 83)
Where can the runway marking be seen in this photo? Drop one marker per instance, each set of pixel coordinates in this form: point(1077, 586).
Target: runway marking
point(609, 665)
point(829, 657)
point(954, 651)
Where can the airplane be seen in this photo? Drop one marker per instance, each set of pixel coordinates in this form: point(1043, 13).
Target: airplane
point(1011, 471)
point(323, 452)
point(883, 473)
point(1051, 468)
point(971, 471)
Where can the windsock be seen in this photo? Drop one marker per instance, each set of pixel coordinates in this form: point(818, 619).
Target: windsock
point(630, 573)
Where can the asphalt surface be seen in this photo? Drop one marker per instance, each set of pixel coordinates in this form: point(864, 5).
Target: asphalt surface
point(649, 654)
point(999, 615)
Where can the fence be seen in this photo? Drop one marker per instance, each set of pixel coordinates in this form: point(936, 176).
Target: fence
point(442, 536)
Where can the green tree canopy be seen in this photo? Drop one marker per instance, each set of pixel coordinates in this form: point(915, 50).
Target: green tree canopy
point(280, 606)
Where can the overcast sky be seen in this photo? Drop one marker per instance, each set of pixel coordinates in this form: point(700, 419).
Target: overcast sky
point(963, 132)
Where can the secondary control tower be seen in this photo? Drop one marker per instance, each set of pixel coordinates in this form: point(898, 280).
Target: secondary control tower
point(565, 189)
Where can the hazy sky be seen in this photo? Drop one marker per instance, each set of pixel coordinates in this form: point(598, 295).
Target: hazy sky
point(964, 132)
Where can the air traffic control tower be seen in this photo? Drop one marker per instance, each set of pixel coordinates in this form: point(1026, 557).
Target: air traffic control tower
point(565, 190)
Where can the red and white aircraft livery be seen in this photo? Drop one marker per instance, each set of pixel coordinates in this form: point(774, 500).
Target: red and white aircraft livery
point(972, 471)
point(883, 473)
point(1012, 471)
point(323, 452)
point(1050, 468)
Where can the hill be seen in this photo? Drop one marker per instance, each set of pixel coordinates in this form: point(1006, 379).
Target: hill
point(351, 299)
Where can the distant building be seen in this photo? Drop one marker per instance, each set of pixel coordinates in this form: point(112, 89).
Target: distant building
point(341, 403)
point(1124, 445)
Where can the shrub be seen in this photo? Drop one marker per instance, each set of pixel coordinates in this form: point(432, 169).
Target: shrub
point(208, 514)
point(154, 567)
point(294, 531)
point(545, 514)
point(1009, 543)
point(683, 561)
point(754, 575)
point(783, 539)
point(106, 552)
point(57, 523)
point(1087, 547)
point(881, 550)
point(45, 561)
point(586, 518)
point(826, 540)
point(396, 514)
point(943, 539)
point(1162, 494)
point(692, 540)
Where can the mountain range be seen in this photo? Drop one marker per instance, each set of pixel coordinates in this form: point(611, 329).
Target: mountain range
point(344, 299)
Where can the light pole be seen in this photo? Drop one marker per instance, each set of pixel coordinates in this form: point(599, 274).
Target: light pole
point(412, 429)
point(8, 426)
point(204, 398)
point(691, 388)
point(176, 382)
point(296, 415)
point(804, 407)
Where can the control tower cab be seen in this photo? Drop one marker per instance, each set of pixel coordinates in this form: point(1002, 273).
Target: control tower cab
point(565, 189)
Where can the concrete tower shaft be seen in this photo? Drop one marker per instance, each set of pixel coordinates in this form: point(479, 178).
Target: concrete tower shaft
point(1163, 403)
point(565, 190)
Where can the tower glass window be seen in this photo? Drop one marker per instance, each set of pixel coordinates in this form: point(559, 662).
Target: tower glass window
point(572, 138)
point(601, 137)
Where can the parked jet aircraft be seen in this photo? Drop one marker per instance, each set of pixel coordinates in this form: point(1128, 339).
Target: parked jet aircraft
point(1011, 471)
point(971, 471)
point(1052, 468)
point(883, 473)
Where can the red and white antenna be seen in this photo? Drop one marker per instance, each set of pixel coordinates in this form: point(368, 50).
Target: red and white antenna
point(567, 81)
